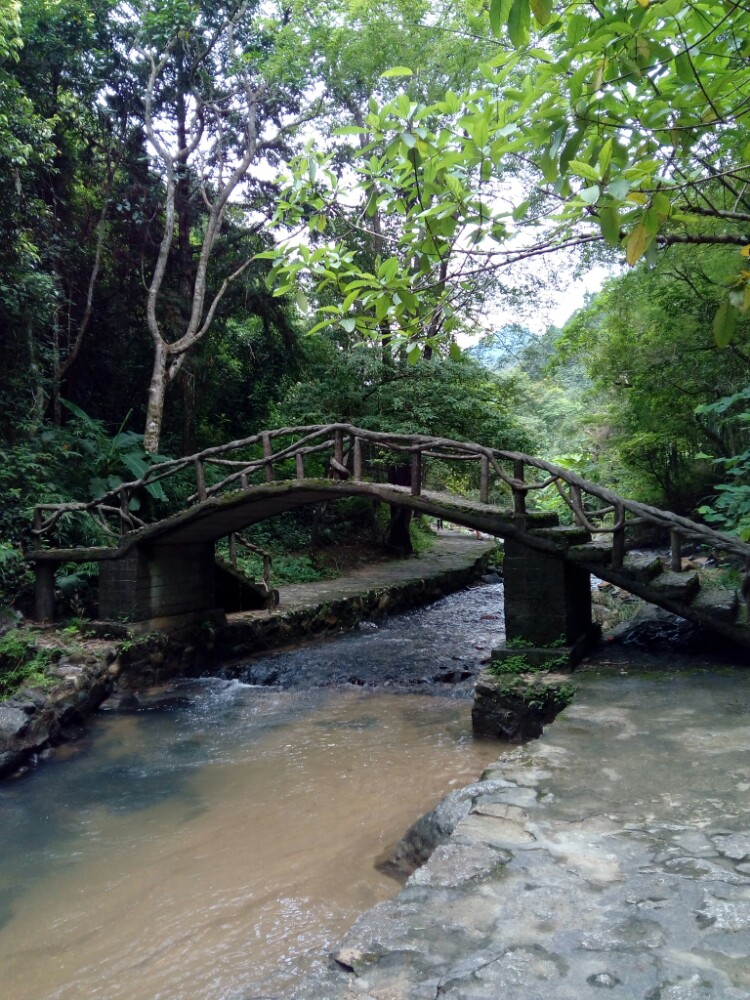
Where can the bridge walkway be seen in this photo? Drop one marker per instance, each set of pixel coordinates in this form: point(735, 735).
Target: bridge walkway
point(166, 567)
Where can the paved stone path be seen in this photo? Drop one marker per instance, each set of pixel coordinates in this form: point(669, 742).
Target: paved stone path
point(611, 858)
point(449, 551)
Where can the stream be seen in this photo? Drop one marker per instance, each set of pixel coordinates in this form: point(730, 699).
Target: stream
point(215, 844)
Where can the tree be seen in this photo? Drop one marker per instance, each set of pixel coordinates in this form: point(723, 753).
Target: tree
point(624, 123)
point(359, 384)
point(74, 148)
point(215, 103)
point(25, 293)
point(656, 376)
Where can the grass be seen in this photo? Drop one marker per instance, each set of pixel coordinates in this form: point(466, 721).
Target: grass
point(521, 680)
point(23, 663)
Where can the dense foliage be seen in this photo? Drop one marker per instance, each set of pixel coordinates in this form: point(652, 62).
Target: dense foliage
point(191, 188)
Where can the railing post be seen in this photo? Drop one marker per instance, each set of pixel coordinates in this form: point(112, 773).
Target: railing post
point(37, 528)
point(200, 478)
point(233, 550)
point(484, 481)
point(675, 547)
point(299, 462)
point(338, 452)
point(519, 495)
point(44, 591)
point(267, 453)
point(124, 511)
point(357, 460)
point(575, 499)
point(243, 480)
point(618, 539)
point(416, 473)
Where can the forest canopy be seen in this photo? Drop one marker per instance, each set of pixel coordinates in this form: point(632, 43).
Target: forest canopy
point(216, 216)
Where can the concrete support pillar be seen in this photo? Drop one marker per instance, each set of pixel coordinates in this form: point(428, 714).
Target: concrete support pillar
point(547, 601)
point(44, 593)
point(158, 582)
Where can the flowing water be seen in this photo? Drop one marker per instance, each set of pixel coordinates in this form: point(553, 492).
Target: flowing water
point(217, 849)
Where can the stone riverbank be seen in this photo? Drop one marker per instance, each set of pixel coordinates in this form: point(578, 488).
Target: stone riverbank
point(609, 858)
point(89, 671)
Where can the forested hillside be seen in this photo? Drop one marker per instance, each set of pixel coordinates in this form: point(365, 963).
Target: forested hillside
point(221, 216)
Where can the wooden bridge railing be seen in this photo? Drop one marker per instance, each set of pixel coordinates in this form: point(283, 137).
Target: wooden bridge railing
point(599, 510)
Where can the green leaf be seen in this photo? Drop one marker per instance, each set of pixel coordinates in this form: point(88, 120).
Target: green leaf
point(577, 28)
point(321, 326)
point(519, 20)
point(85, 419)
point(684, 69)
point(661, 203)
point(499, 10)
point(609, 223)
point(454, 351)
point(388, 269)
point(619, 189)
point(349, 324)
point(350, 300)
point(542, 11)
point(590, 195)
point(570, 149)
point(397, 71)
point(382, 305)
point(585, 170)
point(548, 167)
point(637, 244)
point(605, 156)
point(724, 321)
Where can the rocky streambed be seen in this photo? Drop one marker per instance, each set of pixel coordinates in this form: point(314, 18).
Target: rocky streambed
point(88, 670)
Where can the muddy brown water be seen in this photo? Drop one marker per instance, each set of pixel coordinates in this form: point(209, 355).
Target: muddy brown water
point(218, 849)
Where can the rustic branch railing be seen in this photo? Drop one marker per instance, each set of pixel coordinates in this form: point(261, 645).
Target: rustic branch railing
point(349, 447)
point(236, 539)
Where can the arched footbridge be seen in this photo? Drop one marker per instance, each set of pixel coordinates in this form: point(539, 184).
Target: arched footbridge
point(165, 567)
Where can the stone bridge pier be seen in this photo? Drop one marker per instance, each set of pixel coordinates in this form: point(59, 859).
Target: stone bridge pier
point(547, 599)
point(155, 582)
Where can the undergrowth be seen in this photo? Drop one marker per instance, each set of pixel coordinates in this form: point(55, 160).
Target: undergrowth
point(23, 663)
point(520, 679)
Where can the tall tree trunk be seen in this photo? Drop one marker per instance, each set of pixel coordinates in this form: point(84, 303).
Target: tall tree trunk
point(398, 536)
point(156, 393)
point(187, 378)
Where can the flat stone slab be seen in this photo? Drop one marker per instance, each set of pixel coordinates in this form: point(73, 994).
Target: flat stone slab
point(609, 858)
point(641, 568)
point(676, 586)
point(591, 552)
point(563, 534)
point(718, 602)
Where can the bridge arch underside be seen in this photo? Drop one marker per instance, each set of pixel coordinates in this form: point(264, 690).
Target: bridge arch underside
point(166, 569)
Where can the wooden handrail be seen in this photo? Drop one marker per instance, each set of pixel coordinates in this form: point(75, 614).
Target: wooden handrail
point(274, 447)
